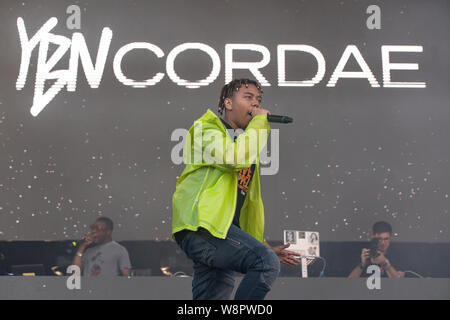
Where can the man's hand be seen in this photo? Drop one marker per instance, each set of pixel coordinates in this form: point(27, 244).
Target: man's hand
point(365, 254)
point(87, 241)
point(380, 260)
point(286, 256)
point(259, 111)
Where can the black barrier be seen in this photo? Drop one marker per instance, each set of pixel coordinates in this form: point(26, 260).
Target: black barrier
point(149, 257)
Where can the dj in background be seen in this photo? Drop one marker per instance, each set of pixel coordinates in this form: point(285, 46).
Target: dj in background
point(99, 255)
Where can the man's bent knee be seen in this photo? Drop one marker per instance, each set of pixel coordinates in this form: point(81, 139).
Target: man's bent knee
point(269, 263)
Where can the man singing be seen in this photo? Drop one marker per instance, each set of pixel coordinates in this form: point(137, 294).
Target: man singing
point(218, 214)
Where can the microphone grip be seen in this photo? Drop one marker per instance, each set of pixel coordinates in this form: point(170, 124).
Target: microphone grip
point(279, 119)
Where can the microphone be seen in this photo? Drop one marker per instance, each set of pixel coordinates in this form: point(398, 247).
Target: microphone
point(279, 119)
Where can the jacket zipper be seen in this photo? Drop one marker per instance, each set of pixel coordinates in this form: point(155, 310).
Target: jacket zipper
point(235, 241)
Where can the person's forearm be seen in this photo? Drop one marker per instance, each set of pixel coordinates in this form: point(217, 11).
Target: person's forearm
point(391, 272)
point(235, 155)
point(78, 260)
point(356, 273)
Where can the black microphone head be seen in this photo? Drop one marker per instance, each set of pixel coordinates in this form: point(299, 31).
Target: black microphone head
point(279, 119)
point(287, 119)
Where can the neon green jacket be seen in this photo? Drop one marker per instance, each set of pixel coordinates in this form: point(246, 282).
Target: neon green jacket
point(206, 192)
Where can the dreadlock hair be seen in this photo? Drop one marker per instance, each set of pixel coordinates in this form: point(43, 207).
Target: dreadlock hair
point(234, 86)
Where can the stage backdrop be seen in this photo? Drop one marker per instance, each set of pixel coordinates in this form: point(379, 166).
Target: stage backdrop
point(93, 95)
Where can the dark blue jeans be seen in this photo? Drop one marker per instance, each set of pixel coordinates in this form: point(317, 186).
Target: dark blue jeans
point(216, 261)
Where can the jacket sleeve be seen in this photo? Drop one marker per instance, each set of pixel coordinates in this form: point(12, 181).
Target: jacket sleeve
point(213, 146)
